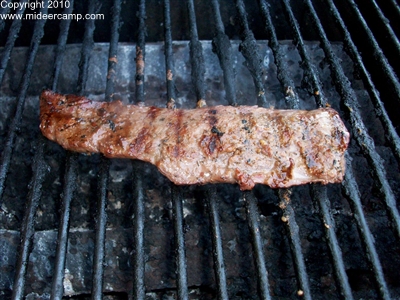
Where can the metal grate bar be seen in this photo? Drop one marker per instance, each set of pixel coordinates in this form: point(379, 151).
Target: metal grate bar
point(249, 50)
point(361, 134)
point(377, 51)
point(351, 189)
point(295, 244)
point(222, 46)
point(262, 273)
point(196, 57)
point(395, 6)
point(70, 176)
point(310, 77)
point(219, 266)
point(284, 195)
point(57, 287)
point(87, 46)
point(177, 210)
point(4, 10)
point(61, 42)
point(23, 87)
point(141, 53)
point(113, 51)
point(138, 229)
point(176, 194)
point(12, 36)
point(286, 82)
point(28, 223)
point(198, 70)
point(390, 131)
point(138, 194)
point(101, 222)
point(386, 23)
point(169, 62)
point(319, 192)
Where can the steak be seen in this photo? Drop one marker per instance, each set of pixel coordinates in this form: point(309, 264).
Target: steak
point(221, 144)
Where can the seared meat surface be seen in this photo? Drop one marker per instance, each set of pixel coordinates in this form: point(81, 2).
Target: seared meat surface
point(244, 144)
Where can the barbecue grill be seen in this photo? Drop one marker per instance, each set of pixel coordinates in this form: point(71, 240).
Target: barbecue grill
point(81, 226)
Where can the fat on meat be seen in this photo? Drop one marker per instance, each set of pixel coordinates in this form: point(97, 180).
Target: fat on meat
point(222, 144)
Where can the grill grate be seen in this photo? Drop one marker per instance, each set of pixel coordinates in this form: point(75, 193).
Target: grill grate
point(70, 177)
point(14, 30)
point(138, 211)
point(27, 228)
point(223, 49)
point(392, 135)
point(176, 193)
point(377, 52)
point(198, 70)
point(319, 193)
point(390, 32)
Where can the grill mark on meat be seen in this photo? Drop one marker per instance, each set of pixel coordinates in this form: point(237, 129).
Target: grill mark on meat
point(138, 145)
point(312, 155)
point(212, 142)
point(179, 131)
point(216, 131)
point(101, 112)
point(247, 122)
point(212, 118)
point(112, 125)
point(307, 154)
point(340, 137)
point(143, 141)
point(280, 148)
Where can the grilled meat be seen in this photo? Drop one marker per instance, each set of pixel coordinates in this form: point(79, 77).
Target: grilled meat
point(225, 144)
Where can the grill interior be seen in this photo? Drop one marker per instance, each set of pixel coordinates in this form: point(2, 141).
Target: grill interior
point(80, 227)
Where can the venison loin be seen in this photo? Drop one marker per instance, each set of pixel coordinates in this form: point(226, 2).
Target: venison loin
point(221, 144)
